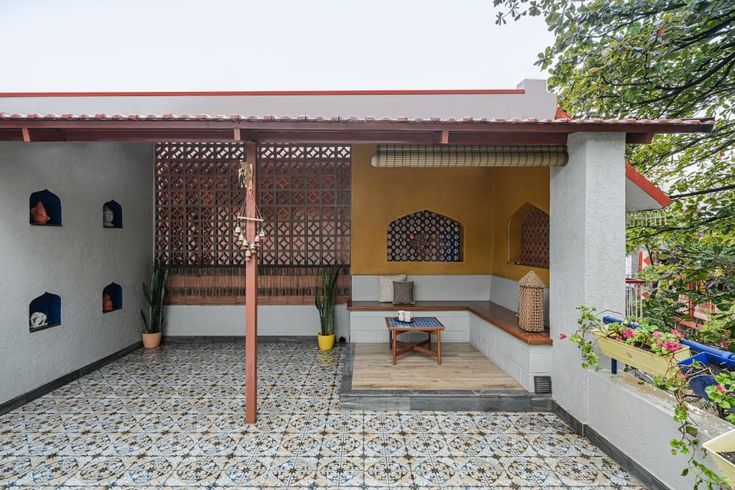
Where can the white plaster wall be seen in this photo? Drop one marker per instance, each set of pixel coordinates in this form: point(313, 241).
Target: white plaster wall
point(75, 260)
point(535, 102)
point(587, 251)
point(369, 326)
point(506, 293)
point(429, 287)
point(224, 320)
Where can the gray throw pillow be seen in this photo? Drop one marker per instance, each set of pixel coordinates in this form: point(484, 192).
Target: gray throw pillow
point(403, 293)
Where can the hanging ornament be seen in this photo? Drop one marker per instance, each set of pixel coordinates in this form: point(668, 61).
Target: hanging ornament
point(245, 174)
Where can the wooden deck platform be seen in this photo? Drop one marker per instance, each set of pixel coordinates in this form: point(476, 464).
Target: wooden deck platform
point(463, 368)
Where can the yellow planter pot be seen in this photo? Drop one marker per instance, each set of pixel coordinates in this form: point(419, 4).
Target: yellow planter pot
point(643, 360)
point(722, 444)
point(326, 342)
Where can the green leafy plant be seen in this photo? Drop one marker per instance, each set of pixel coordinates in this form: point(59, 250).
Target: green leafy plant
point(154, 295)
point(325, 298)
point(719, 330)
point(676, 382)
point(723, 394)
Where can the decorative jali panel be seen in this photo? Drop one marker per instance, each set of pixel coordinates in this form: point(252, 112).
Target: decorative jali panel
point(535, 239)
point(425, 236)
point(304, 198)
point(197, 196)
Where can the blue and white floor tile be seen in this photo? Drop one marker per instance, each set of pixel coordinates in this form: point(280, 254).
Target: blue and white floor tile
point(173, 418)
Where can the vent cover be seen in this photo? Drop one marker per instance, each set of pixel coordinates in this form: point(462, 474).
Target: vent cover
point(542, 385)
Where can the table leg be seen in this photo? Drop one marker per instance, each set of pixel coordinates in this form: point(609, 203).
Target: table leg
point(439, 346)
point(393, 342)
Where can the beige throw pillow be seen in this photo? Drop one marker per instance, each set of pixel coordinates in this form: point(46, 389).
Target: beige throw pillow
point(385, 287)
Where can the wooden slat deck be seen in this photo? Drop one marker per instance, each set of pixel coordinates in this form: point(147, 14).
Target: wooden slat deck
point(463, 368)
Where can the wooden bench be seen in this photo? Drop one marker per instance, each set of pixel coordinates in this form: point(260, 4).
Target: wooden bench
point(502, 318)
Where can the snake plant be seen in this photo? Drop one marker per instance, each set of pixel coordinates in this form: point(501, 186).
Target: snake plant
point(154, 294)
point(325, 298)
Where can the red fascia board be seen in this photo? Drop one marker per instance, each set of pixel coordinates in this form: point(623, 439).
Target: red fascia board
point(514, 91)
point(646, 185)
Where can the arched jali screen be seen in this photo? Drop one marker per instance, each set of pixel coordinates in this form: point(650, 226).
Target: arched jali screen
point(528, 237)
point(424, 236)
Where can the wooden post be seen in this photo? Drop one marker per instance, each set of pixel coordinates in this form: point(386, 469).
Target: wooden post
point(251, 297)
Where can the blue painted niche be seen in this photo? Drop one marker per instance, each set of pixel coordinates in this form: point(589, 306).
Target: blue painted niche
point(50, 305)
point(117, 216)
point(116, 293)
point(51, 202)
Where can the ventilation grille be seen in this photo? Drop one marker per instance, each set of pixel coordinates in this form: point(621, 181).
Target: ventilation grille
point(542, 385)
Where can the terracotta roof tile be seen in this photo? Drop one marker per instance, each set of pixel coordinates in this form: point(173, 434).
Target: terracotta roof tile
point(351, 119)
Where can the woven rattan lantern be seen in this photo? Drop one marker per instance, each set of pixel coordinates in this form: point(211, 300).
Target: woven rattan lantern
point(531, 303)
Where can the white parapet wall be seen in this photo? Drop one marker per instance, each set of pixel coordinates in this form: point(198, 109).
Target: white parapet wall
point(229, 320)
point(638, 419)
point(370, 327)
point(520, 360)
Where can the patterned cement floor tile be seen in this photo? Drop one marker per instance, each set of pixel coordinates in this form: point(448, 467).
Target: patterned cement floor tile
point(173, 418)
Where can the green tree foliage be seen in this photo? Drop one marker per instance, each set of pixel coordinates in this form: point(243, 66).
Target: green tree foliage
point(659, 59)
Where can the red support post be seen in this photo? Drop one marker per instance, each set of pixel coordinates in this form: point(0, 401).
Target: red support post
point(251, 296)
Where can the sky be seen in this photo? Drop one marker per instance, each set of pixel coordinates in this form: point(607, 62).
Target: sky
point(130, 45)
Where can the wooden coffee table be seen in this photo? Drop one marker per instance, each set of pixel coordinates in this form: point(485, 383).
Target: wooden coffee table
point(428, 324)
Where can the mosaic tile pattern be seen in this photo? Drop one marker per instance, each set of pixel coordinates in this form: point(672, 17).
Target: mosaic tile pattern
point(174, 418)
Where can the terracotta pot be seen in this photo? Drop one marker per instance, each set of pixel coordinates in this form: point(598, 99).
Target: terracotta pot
point(107, 305)
point(39, 215)
point(151, 340)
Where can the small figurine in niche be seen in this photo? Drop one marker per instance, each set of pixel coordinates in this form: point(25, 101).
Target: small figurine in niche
point(38, 319)
point(107, 303)
point(108, 217)
point(39, 216)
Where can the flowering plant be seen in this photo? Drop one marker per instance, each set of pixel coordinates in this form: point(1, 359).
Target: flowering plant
point(662, 343)
point(722, 394)
point(646, 337)
point(643, 336)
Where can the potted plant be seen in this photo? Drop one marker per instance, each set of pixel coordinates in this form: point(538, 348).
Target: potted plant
point(154, 295)
point(324, 301)
point(722, 448)
point(638, 345)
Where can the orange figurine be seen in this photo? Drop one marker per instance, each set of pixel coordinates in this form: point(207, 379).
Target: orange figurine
point(39, 216)
point(107, 303)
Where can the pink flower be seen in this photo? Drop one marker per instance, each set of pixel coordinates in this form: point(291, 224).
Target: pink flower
point(656, 334)
point(678, 334)
point(672, 346)
point(721, 389)
point(628, 333)
point(562, 336)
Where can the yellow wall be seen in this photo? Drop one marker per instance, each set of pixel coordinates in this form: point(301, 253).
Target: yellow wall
point(512, 188)
point(481, 199)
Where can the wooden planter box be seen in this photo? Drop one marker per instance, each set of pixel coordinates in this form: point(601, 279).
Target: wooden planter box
point(645, 361)
point(722, 444)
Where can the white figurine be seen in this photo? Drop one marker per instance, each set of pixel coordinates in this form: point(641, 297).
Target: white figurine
point(38, 319)
point(108, 217)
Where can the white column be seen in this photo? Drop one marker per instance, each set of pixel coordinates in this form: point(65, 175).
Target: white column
point(587, 263)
